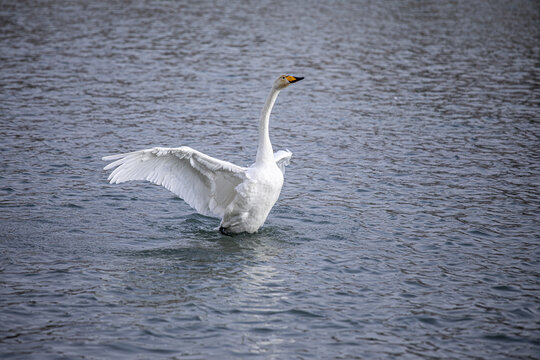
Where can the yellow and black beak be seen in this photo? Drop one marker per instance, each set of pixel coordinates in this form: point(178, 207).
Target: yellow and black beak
point(293, 79)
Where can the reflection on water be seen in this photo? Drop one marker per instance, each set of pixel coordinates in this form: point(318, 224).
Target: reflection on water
point(407, 225)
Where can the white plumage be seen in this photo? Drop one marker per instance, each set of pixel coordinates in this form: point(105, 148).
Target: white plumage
point(241, 196)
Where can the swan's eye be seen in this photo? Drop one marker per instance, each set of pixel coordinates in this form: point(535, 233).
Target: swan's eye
point(283, 77)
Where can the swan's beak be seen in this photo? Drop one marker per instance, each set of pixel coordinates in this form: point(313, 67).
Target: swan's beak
point(293, 79)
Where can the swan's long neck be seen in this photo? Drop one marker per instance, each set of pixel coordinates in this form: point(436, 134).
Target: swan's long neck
point(265, 153)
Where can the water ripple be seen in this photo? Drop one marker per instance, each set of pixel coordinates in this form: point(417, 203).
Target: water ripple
point(407, 225)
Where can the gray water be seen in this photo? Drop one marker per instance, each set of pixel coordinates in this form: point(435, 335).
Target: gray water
point(408, 225)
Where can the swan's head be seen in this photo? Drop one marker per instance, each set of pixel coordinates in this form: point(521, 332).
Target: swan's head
point(285, 80)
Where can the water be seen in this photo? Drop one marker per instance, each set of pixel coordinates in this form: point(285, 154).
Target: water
point(407, 225)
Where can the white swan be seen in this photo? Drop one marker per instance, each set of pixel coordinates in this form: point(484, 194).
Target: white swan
point(242, 197)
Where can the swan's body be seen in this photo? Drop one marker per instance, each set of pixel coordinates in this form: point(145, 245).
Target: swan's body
point(242, 197)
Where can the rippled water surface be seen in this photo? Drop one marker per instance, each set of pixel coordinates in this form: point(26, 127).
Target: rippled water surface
point(407, 225)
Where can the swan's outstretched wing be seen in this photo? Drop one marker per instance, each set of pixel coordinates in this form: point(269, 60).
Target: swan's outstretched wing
point(282, 158)
point(205, 183)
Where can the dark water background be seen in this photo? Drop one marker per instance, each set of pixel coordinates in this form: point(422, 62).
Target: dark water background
point(408, 224)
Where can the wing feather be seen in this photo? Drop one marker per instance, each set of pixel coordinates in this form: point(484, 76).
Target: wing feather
point(282, 159)
point(205, 183)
